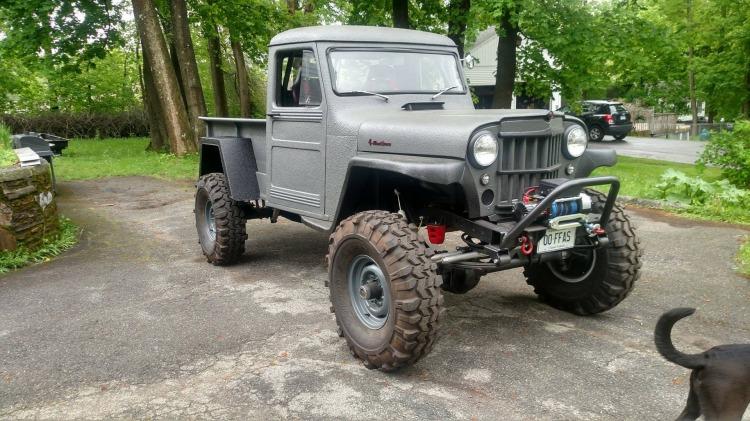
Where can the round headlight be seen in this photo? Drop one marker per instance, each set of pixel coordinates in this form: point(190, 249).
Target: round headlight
point(484, 150)
point(576, 141)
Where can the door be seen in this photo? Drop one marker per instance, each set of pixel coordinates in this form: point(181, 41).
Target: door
point(297, 134)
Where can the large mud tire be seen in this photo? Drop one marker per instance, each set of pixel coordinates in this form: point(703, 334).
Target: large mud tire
point(219, 221)
point(411, 289)
point(615, 271)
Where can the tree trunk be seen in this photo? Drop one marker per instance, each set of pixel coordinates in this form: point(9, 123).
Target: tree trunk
point(243, 85)
point(153, 110)
point(505, 77)
point(221, 109)
point(458, 14)
point(192, 89)
point(401, 14)
point(691, 70)
point(174, 115)
point(291, 6)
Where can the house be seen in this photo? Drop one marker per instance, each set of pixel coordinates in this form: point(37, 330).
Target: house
point(482, 77)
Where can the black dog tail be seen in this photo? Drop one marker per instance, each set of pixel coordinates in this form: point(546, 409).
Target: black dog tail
point(663, 339)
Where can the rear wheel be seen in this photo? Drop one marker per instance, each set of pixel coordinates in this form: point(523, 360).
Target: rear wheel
point(596, 134)
point(591, 281)
point(219, 221)
point(384, 289)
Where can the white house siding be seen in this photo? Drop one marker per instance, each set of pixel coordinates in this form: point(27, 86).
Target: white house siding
point(483, 73)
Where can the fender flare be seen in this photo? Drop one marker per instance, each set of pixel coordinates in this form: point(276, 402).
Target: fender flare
point(234, 157)
point(593, 159)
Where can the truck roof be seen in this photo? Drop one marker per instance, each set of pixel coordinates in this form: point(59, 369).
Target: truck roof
point(352, 33)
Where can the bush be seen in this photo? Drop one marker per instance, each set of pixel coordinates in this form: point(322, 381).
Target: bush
point(676, 186)
point(7, 156)
point(127, 124)
point(716, 200)
point(731, 152)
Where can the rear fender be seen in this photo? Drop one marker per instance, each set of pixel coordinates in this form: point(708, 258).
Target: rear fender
point(234, 157)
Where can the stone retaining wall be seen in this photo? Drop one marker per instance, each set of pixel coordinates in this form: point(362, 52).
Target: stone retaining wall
point(28, 212)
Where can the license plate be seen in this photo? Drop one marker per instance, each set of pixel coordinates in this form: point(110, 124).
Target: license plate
point(554, 240)
point(622, 117)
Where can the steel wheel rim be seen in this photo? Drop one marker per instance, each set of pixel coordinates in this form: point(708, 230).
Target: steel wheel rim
point(365, 277)
point(578, 274)
point(210, 221)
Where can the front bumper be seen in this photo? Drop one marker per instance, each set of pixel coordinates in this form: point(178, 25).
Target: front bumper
point(499, 241)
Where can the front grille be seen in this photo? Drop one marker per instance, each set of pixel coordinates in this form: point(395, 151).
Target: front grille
point(523, 162)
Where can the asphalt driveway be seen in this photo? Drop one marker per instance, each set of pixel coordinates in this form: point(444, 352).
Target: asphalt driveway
point(684, 151)
point(133, 323)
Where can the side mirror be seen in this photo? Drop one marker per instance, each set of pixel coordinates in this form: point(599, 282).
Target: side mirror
point(469, 61)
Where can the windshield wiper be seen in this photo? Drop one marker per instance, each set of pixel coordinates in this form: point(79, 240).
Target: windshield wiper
point(385, 97)
point(444, 91)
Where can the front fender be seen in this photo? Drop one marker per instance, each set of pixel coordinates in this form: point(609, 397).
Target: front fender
point(449, 172)
point(424, 168)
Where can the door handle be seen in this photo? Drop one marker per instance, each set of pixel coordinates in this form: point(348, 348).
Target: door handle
point(274, 114)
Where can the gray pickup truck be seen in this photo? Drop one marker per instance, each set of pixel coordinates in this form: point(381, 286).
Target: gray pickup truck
point(371, 136)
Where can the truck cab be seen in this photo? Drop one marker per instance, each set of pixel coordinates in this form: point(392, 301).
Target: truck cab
point(371, 135)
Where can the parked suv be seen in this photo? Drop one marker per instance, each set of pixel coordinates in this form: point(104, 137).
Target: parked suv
point(604, 118)
point(371, 136)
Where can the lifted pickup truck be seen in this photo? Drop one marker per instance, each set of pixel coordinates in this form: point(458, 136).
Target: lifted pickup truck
point(371, 136)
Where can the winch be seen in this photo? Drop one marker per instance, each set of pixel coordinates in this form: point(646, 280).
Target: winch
point(578, 204)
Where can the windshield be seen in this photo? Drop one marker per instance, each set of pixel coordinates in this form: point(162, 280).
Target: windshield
point(394, 72)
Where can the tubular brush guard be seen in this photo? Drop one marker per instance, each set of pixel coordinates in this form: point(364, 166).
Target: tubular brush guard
point(499, 238)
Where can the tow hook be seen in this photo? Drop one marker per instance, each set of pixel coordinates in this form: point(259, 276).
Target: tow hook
point(527, 247)
point(595, 230)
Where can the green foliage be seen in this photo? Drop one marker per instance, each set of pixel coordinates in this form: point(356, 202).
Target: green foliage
point(731, 152)
point(718, 199)
point(51, 247)
point(639, 179)
point(638, 176)
point(677, 186)
point(98, 158)
point(743, 257)
point(67, 33)
point(7, 156)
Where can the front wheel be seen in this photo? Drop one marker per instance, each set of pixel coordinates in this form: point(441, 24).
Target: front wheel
point(384, 289)
point(591, 281)
point(620, 137)
point(219, 221)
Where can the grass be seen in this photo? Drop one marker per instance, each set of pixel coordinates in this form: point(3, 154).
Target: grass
point(7, 156)
point(87, 159)
point(743, 257)
point(20, 257)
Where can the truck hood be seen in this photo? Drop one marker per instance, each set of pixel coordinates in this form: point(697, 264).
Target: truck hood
point(443, 133)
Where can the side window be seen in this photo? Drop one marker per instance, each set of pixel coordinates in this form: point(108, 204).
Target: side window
point(298, 79)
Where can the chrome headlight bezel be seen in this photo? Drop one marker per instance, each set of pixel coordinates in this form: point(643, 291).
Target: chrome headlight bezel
point(483, 149)
point(576, 141)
